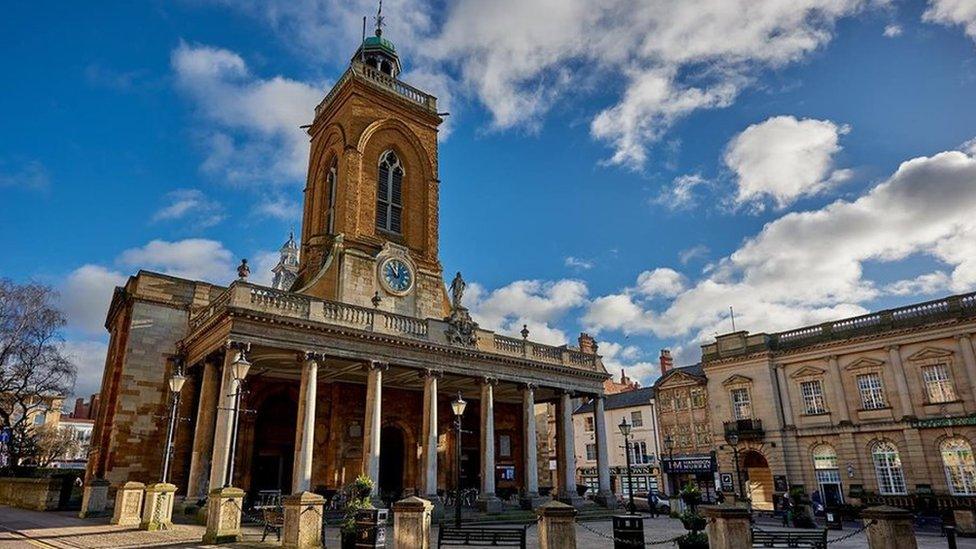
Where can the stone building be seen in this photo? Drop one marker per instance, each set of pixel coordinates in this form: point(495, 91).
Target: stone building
point(637, 407)
point(874, 408)
point(354, 366)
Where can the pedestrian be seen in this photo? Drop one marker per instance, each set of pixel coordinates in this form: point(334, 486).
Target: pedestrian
point(652, 502)
point(720, 497)
point(787, 510)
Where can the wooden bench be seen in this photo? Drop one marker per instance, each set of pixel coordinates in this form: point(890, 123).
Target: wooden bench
point(815, 539)
point(480, 537)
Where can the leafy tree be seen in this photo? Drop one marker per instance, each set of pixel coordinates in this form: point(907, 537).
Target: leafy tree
point(34, 373)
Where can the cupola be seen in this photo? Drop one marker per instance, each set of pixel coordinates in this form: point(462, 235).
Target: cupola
point(378, 52)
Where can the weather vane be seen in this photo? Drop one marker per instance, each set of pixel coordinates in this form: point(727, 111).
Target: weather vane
point(380, 20)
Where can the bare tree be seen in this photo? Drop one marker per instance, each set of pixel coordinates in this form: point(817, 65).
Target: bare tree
point(34, 373)
point(52, 444)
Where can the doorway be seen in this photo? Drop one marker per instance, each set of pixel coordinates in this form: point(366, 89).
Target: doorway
point(392, 457)
point(274, 445)
point(759, 480)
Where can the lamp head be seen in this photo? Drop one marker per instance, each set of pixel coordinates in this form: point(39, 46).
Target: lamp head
point(732, 438)
point(241, 366)
point(176, 382)
point(458, 405)
point(624, 428)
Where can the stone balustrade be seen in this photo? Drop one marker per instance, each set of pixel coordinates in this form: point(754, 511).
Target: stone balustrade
point(246, 297)
point(381, 80)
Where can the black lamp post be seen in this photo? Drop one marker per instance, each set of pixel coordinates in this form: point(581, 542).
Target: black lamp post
point(457, 406)
point(240, 368)
point(669, 446)
point(175, 386)
point(625, 431)
point(733, 439)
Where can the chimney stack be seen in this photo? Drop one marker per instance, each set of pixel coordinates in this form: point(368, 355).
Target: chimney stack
point(667, 363)
point(587, 344)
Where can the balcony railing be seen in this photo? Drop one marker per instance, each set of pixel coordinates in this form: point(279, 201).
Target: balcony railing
point(246, 296)
point(746, 429)
point(383, 81)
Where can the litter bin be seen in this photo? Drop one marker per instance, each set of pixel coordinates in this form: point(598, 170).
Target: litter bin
point(628, 531)
point(371, 528)
point(833, 518)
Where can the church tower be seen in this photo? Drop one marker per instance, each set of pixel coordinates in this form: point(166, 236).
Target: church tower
point(286, 271)
point(370, 220)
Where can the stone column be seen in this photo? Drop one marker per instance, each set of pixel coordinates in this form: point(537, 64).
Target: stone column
point(566, 451)
point(603, 496)
point(411, 523)
point(784, 396)
point(839, 395)
point(428, 456)
point(203, 432)
point(303, 521)
point(530, 499)
point(94, 498)
point(965, 343)
point(372, 423)
point(128, 504)
point(224, 515)
point(157, 514)
point(225, 421)
point(487, 501)
point(898, 370)
point(889, 528)
point(305, 425)
point(728, 526)
point(557, 526)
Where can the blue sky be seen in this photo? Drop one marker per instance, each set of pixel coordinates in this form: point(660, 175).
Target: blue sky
point(629, 170)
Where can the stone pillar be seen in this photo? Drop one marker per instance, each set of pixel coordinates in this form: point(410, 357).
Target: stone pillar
point(901, 383)
point(784, 396)
point(372, 424)
point(839, 395)
point(965, 343)
point(530, 499)
point(203, 432)
point(487, 501)
point(727, 527)
point(889, 528)
point(428, 456)
point(224, 515)
point(128, 504)
point(303, 521)
point(603, 496)
point(411, 523)
point(157, 513)
point(557, 526)
point(305, 426)
point(224, 421)
point(94, 498)
point(566, 452)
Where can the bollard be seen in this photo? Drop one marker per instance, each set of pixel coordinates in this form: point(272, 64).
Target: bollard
point(94, 498)
point(157, 513)
point(950, 532)
point(889, 528)
point(224, 515)
point(728, 526)
point(557, 526)
point(411, 523)
point(128, 504)
point(302, 527)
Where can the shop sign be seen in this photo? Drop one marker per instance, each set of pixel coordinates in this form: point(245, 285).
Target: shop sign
point(689, 464)
point(727, 484)
point(944, 422)
point(620, 470)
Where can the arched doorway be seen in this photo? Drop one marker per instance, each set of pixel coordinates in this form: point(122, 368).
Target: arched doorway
point(274, 444)
point(758, 480)
point(392, 458)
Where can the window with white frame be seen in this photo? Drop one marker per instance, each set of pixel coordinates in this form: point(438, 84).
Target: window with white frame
point(872, 392)
point(741, 404)
point(887, 469)
point(591, 452)
point(641, 484)
point(938, 383)
point(825, 467)
point(960, 467)
point(588, 424)
point(638, 453)
point(636, 419)
point(813, 397)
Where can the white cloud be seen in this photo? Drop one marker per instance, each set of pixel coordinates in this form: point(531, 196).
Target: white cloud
point(784, 159)
point(193, 258)
point(629, 359)
point(680, 194)
point(192, 206)
point(953, 12)
point(257, 135)
point(808, 267)
point(86, 294)
point(892, 31)
point(660, 282)
point(279, 207)
point(695, 252)
point(89, 358)
point(538, 304)
point(578, 263)
point(926, 284)
point(31, 176)
point(261, 265)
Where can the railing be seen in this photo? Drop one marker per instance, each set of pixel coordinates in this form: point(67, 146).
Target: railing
point(509, 345)
point(200, 317)
point(384, 81)
point(406, 325)
point(281, 301)
point(577, 358)
point(746, 429)
point(545, 352)
point(343, 313)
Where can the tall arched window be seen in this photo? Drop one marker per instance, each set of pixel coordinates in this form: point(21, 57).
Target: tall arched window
point(828, 475)
point(960, 467)
point(330, 193)
point(887, 467)
point(389, 193)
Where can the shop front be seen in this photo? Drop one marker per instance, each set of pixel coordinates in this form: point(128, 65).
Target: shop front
point(698, 469)
point(644, 479)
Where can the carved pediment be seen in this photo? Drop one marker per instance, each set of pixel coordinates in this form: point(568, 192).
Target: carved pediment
point(864, 363)
point(808, 371)
point(679, 379)
point(930, 353)
point(737, 379)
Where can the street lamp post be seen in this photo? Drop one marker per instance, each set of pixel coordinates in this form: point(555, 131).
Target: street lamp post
point(669, 446)
point(733, 439)
point(240, 368)
point(457, 406)
point(175, 386)
point(625, 431)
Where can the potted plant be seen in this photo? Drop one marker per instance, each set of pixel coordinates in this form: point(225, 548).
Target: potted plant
point(357, 499)
point(692, 520)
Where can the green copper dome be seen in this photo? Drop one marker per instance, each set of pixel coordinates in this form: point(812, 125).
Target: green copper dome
point(379, 53)
point(379, 43)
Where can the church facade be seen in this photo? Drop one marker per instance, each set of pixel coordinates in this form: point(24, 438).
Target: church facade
point(355, 353)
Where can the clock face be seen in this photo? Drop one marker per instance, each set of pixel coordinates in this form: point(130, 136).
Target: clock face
point(397, 276)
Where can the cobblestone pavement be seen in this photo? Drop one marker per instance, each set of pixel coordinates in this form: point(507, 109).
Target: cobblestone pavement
point(25, 529)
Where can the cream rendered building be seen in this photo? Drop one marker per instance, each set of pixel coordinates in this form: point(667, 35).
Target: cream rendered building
point(877, 408)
